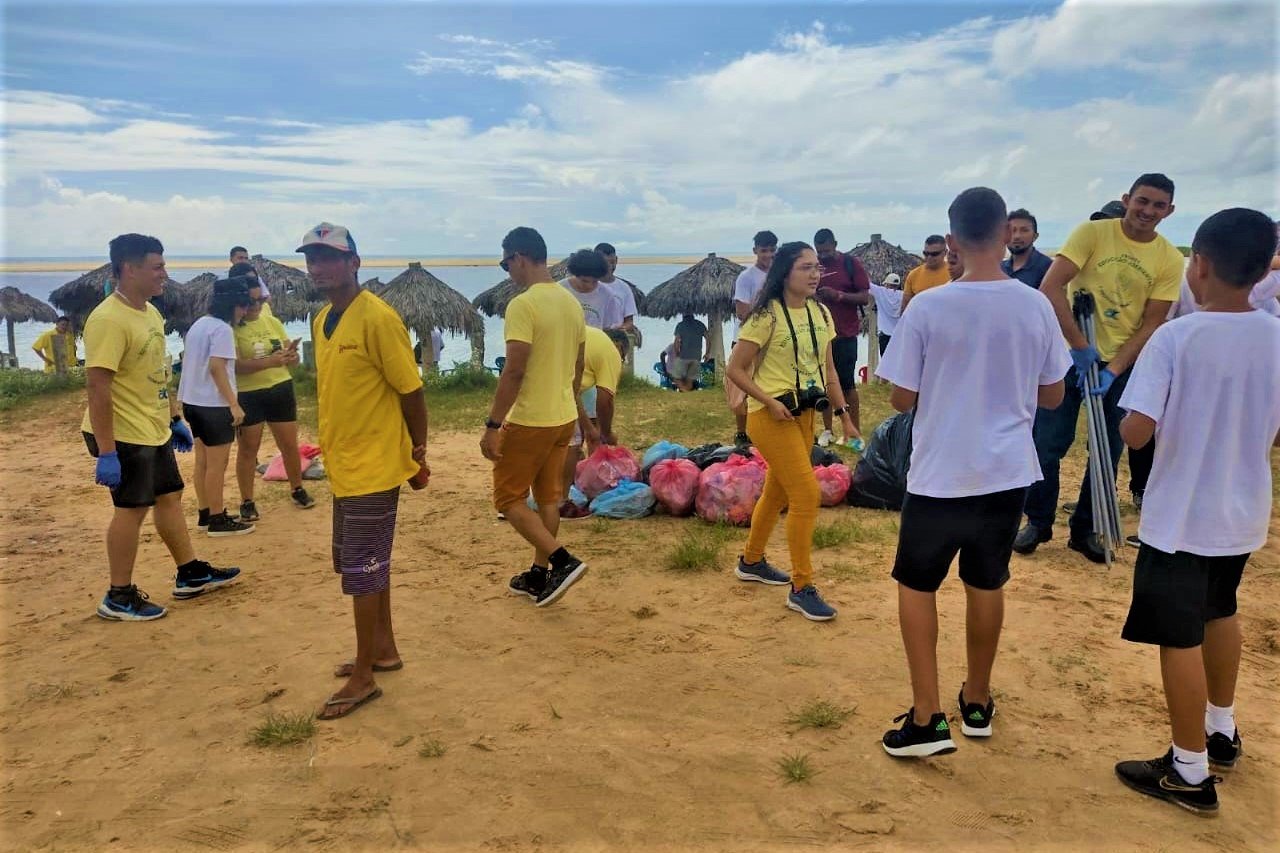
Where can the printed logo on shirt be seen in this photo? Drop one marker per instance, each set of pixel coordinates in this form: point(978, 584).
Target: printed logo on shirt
point(347, 347)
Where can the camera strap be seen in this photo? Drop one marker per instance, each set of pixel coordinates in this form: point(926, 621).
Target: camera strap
point(795, 344)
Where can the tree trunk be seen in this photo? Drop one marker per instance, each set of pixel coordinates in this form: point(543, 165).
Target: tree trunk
point(715, 329)
point(13, 347)
point(428, 353)
point(873, 346)
point(477, 348)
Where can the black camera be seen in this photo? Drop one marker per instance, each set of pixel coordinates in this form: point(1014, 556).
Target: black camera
point(809, 398)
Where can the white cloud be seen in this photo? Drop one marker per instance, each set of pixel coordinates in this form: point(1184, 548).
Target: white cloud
point(28, 109)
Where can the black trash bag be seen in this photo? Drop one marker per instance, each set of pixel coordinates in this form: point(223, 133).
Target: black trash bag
point(880, 477)
point(706, 455)
point(821, 456)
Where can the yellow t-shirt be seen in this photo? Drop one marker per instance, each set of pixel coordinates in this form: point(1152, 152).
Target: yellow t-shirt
point(922, 278)
point(601, 363)
point(1122, 276)
point(550, 320)
point(776, 371)
point(258, 339)
point(131, 344)
point(45, 344)
point(361, 371)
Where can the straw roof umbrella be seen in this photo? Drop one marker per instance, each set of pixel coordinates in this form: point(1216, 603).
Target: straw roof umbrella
point(493, 301)
point(881, 258)
point(425, 302)
point(704, 288)
point(19, 307)
point(78, 298)
point(294, 296)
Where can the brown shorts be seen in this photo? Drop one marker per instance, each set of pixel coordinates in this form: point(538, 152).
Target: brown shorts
point(532, 457)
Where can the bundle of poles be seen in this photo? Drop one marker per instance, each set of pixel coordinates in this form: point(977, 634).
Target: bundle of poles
point(1102, 477)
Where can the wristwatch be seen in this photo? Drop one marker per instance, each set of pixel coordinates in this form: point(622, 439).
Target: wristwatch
point(489, 423)
point(840, 412)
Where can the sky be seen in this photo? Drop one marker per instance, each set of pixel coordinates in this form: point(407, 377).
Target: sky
point(433, 128)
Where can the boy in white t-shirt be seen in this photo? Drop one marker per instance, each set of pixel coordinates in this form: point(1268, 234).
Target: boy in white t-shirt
point(974, 359)
point(746, 287)
point(1207, 388)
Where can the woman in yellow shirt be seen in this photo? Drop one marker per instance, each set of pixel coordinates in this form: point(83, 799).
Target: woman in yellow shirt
point(783, 362)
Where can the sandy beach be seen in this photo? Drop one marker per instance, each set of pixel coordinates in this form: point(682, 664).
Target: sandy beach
point(646, 711)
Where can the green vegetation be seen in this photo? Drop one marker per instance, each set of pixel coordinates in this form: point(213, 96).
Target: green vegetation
point(700, 549)
point(820, 714)
point(283, 729)
point(795, 768)
point(432, 749)
point(22, 385)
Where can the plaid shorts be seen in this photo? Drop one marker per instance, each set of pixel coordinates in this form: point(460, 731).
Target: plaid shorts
point(364, 527)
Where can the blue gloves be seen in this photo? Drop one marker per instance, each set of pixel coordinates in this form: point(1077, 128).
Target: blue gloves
point(1084, 358)
point(182, 441)
point(108, 470)
point(1105, 378)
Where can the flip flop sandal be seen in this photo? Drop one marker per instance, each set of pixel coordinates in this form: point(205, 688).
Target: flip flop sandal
point(352, 704)
point(348, 666)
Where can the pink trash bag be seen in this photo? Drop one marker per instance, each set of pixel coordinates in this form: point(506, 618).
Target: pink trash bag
point(605, 469)
point(833, 482)
point(675, 484)
point(728, 491)
point(275, 469)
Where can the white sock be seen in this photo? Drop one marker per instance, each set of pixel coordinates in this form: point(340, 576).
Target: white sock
point(1191, 766)
point(1220, 720)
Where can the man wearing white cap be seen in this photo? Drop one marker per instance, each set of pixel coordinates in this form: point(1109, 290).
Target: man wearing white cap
point(888, 301)
point(373, 431)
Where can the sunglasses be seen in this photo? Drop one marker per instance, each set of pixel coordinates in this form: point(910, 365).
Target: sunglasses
point(933, 254)
point(505, 263)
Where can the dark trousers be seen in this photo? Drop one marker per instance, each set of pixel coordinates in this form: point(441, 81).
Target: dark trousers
point(1140, 462)
point(1054, 433)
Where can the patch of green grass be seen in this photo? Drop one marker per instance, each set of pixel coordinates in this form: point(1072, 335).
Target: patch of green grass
point(283, 729)
point(432, 748)
point(22, 385)
point(463, 376)
point(600, 526)
point(700, 549)
point(833, 535)
point(848, 571)
point(820, 714)
point(856, 528)
point(795, 768)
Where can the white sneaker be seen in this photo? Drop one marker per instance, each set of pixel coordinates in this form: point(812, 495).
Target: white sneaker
point(826, 438)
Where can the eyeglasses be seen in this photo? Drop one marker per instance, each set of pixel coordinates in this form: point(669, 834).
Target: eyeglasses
point(261, 300)
point(505, 263)
point(929, 254)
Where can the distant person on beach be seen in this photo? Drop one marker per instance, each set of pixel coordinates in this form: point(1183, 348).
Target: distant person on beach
point(534, 412)
point(692, 347)
point(1132, 273)
point(1026, 263)
point(783, 363)
point(601, 307)
point(955, 264)
point(1214, 371)
point(207, 390)
point(620, 288)
point(974, 360)
point(602, 358)
point(264, 355)
point(373, 430)
point(132, 428)
point(844, 289)
point(57, 346)
point(745, 290)
point(238, 255)
point(928, 275)
point(888, 300)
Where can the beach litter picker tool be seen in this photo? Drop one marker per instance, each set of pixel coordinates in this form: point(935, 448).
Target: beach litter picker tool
point(1102, 477)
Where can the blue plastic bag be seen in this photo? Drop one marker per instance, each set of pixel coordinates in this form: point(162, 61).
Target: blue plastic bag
point(575, 495)
point(662, 450)
point(628, 499)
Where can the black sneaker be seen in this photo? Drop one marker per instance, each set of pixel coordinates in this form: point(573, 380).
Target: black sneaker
point(1159, 778)
point(1089, 546)
point(1069, 507)
point(301, 499)
point(1224, 751)
point(249, 511)
point(559, 581)
point(912, 741)
point(1030, 537)
point(530, 583)
point(201, 579)
point(975, 719)
point(202, 518)
point(224, 525)
point(742, 440)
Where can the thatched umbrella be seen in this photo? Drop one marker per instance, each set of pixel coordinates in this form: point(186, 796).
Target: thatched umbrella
point(184, 303)
point(18, 307)
point(704, 288)
point(294, 296)
point(881, 258)
point(78, 298)
point(425, 302)
point(493, 301)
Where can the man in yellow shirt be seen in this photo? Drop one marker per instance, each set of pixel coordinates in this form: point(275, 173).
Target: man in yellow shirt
point(932, 273)
point(132, 428)
point(534, 410)
point(603, 355)
point(373, 433)
point(47, 346)
point(1134, 275)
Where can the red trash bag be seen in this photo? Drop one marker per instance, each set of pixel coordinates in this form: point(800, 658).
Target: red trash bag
point(833, 482)
point(605, 469)
point(275, 469)
point(675, 484)
point(728, 491)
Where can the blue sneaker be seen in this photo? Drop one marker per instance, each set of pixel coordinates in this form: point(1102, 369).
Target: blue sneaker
point(810, 604)
point(132, 605)
point(203, 579)
point(761, 572)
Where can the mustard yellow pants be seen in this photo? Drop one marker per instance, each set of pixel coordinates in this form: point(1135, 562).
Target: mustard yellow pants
point(785, 445)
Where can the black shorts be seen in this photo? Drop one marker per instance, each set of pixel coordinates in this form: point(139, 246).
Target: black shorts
point(210, 424)
point(980, 528)
point(274, 405)
point(884, 341)
point(145, 472)
point(844, 352)
point(1175, 594)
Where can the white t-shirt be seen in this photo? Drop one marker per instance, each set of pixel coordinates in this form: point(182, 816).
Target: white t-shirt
point(745, 289)
point(207, 338)
point(888, 308)
point(437, 345)
point(977, 354)
point(1211, 382)
point(1263, 297)
point(601, 308)
point(626, 298)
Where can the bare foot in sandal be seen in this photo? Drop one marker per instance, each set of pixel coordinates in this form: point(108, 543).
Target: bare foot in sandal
point(346, 668)
point(342, 703)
